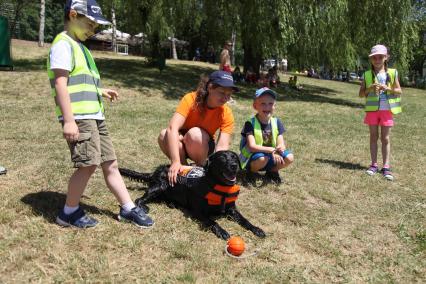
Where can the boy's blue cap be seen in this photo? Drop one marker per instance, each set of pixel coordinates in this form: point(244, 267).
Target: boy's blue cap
point(88, 8)
point(223, 79)
point(264, 91)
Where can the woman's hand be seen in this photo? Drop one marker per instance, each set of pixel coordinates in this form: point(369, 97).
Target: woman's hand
point(174, 169)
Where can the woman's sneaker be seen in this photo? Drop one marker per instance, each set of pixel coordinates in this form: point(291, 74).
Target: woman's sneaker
point(136, 216)
point(77, 219)
point(386, 172)
point(372, 170)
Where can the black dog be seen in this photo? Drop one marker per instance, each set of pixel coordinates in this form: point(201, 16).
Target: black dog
point(206, 192)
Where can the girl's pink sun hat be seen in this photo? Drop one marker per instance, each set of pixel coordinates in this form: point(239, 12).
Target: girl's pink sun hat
point(378, 49)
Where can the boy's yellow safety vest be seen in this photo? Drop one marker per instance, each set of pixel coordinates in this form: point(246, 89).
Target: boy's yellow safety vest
point(245, 154)
point(372, 100)
point(84, 84)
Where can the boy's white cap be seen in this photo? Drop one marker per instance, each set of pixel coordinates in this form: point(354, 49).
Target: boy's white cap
point(378, 49)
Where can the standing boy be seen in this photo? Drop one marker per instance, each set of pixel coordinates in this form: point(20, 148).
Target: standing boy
point(76, 87)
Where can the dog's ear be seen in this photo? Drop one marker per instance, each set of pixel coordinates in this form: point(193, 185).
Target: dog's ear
point(237, 159)
point(210, 158)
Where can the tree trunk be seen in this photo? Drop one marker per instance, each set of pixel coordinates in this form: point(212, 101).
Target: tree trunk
point(233, 39)
point(251, 60)
point(114, 30)
point(42, 22)
point(174, 53)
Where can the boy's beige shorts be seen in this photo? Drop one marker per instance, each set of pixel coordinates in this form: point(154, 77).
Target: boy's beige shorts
point(94, 145)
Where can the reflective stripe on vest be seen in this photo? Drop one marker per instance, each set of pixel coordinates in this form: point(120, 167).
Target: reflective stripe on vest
point(258, 137)
point(84, 85)
point(222, 195)
point(372, 100)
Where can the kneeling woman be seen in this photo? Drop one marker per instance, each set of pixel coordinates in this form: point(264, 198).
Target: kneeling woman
point(192, 128)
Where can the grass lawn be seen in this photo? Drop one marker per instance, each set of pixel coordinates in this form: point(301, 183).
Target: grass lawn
point(328, 222)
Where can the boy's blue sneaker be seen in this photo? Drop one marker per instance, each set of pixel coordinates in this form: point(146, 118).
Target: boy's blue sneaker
point(77, 219)
point(273, 177)
point(136, 216)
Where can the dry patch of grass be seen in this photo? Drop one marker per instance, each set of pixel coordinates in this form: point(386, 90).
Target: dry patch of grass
point(328, 222)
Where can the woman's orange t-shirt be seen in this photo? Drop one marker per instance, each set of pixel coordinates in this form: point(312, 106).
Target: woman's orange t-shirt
point(210, 120)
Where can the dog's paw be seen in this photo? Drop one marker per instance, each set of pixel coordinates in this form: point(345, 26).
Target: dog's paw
point(220, 232)
point(259, 232)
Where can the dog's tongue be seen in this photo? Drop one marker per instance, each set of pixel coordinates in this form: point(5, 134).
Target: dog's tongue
point(230, 178)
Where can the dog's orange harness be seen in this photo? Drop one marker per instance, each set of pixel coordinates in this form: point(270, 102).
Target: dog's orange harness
point(221, 195)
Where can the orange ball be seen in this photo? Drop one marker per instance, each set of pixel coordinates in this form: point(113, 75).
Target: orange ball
point(236, 246)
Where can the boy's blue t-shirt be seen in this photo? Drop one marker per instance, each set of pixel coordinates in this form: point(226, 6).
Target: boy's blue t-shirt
point(266, 131)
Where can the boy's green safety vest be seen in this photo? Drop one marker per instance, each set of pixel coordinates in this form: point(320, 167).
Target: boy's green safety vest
point(245, 154)
point(84, 84)
point(372, 100)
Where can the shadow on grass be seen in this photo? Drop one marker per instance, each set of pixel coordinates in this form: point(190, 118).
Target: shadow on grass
point(174, 81)
point(309, 93)
point(48, 204)
point(35, 64)
point(341, 165)
point(179, 79)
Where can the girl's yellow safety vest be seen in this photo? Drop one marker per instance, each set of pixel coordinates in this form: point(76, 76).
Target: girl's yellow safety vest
point(84, 84)
point(372, 100)
point(245, 154)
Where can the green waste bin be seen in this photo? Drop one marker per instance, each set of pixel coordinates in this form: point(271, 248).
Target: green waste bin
point(5, 60)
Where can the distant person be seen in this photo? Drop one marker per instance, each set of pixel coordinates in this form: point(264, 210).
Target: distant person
point(251, 76)
point(237, 75)
point(294, 84)
point(192, 128)
point(225, 58)
point(383, 99)
point(76, 86)
point(263, 80)
point(284, 64)
point(211, 55)
point(273, 77)
point(262, 144)
point(197, 56)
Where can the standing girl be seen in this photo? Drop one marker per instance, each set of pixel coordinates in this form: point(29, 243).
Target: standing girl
point(383, 99)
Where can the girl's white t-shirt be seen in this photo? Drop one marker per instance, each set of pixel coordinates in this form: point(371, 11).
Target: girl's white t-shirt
point(61, 57)
point(383, 100)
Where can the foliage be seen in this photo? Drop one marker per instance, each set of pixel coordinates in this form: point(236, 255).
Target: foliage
point(335, 34)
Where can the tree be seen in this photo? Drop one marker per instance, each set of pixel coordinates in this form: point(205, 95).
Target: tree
point(42, 22)
point(265, 30)
point(114, 29)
